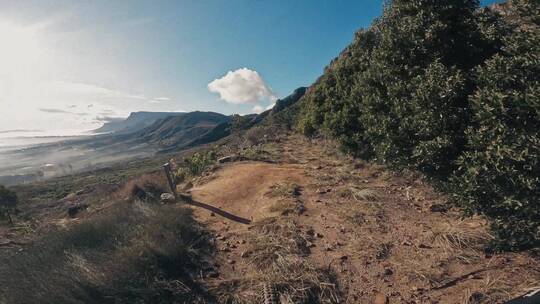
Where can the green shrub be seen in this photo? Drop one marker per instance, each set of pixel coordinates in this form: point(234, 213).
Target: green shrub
point(8, 202)
point(449, 89)
point(195, 164)
point(500, 173)
point(414, 92)
point(332, 106)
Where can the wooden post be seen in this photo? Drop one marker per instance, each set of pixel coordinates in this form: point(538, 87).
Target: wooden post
point(167, 169)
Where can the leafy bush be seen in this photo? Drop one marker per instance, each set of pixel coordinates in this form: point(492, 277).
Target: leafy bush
point(449, 89)
point(332, 106)
point(500, 173)
point(195, 164)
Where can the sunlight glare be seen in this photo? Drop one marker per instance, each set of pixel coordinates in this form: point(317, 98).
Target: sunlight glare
point(20, 49)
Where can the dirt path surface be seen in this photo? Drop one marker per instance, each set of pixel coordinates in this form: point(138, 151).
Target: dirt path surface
point(345, 231)
point(241, 188)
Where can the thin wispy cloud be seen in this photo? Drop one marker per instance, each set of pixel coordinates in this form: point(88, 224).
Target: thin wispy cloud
point(60, 111)
point(21, 131)
point(55, 111)
point(85, 89)
point(160, 99)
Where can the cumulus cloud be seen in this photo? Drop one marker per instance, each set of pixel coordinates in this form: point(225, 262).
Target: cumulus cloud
point(242, 86)
point(257, 109)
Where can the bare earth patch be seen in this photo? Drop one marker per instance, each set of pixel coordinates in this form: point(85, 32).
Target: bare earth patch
point(359, 232)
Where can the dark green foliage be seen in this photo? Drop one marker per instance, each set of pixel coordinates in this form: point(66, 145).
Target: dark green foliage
point(195, 164)
point(332, 105)
point(199, 161)
point(8, 202)
point(433, 82)
point(414, 91)
point(500, 173)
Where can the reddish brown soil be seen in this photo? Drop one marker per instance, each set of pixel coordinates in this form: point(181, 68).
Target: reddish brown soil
point(392, 243)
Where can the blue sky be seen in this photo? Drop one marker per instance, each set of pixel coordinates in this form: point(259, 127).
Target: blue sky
point(72, 64)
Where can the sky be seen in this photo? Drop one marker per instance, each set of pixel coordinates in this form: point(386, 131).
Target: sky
point(67, 67)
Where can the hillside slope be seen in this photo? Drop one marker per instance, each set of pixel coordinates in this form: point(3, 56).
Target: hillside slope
point(134, 122)
point(288, 212)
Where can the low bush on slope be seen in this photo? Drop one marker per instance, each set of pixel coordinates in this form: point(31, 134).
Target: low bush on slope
point(133, 252)
point(448, 89)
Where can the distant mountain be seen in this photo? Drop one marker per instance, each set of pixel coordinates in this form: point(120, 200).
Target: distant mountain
point(176, 132)
point(175, 128)
point(136, 121)
point(281, 104)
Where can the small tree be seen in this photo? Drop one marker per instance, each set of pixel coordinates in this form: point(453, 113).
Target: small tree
point(8, 202)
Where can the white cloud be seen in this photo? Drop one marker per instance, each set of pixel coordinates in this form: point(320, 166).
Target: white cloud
point(271, 106)
point(242, 86)
point(257, 109)
point(160, 99)
point(87, 90)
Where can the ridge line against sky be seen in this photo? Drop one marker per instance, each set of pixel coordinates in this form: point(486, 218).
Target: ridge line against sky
point(69, 66)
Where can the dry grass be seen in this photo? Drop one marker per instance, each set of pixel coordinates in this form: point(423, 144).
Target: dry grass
point(287, 206)
point(285, 190)
point(278, 252)
point(132, 252)
point(364, 194)
point(147, 187)
point(459, 237)
point(493, 289)
point(364, 213)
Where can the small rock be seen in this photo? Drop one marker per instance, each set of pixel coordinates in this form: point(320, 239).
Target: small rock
point(439, 208)
point(225, 249)
point(417, 289)
point(227, 159)
point(319, 235)
point(244, 254)
point(406, 243)
point(212, 273)
point(424, 246)
point(241, 241)
point(212, 214)
point(75, 209)
point(380, 299)
point(388, 272)
point(231, 261)
point(221, 238)
point(310, 244)
point(344, 257)
point(167, 198)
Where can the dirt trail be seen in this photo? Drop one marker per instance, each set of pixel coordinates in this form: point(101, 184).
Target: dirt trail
point(385, 235)
point(240, 188)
